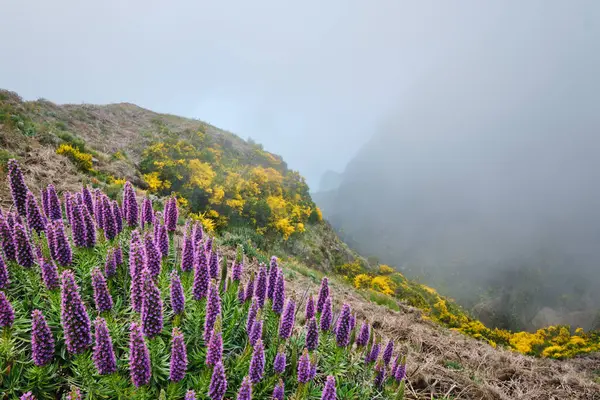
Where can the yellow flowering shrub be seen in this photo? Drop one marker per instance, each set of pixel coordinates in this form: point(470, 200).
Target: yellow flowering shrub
point(83, 161)
point(386, 269)
point(362, 281)
point(383, 284)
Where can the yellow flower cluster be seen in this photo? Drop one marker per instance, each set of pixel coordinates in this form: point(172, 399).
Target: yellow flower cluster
point(83, 161)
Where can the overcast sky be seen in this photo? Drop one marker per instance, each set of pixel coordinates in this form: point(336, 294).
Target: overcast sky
point(311, 80)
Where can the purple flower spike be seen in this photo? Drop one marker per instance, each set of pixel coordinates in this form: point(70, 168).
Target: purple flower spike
point(241, 295)
point(23, 246)
point(249, 288)
point(7, 314)
point(171, 214)
point(279, 363)
point(326, 315)
point(68, 206)
point(99, 208)
point(53, 204)
point(118, 216)
point(379, 376)
point(329, 392)
point(401, 370)
point(237, 270)
point(42, 342)
point(312, 334)
point(374, 353)
point(323, 294)
point(310, 308)
point(104, 353)
point(49, 274)
point(213, 266)
point(132, 209)
point(90, 228)
point(18, 188)
point(214, 352)
point(190, 395)
point(136, 267)
point(256, 332)
point(245, 392)
point(257, 363)
point(78, 227)
point(64, 256)
point(201, 277)
point(110, 266)
point(35, 219)
point(273, 272)
point(213, 310)
point(304, 368)
point(187, 254)
point(218, 383)
point(152, 307)
point(4, 280)
point(279, 391)
point(363, 337)
point(102, 296)
point(118, 255)
point(87, 199)
point(342, 333)
point(177, 296)
point(388, 352)
point(6, 237)
point(178, 356)
point(147, 212)
point(279, 294)
point(197, 233)
point(74, 317)
point(252, 311)
point(45, 208)
point(261, 286)
point(110, 225)
point(153, 256)
point(27, 396)
point(209, 245)
point(287, 320)
point(139, 357)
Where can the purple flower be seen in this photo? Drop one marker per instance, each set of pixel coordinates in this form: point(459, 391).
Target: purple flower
point(201, 277)
point(213, 266)
point(373, 354)
point(178, 356)
point(87, 199)
point(153, 257)
point(279, 294)
point(329, 389)
point(118, 215)
point(213, 310)
point(49, 274)
point(249, 288)
point(190, 395)
point(152, 308)
point(245, 392)
point(78, 227)
point(130, 205)
point(310, 308)
point(323, 294)
point(136, 266)
point(187, 254)
point(45, 201)
point(252, 311)
point(218, 383)
point(6, 236)
point(326, 315)
point(18, 188)
point(342, 333)
point(401, 370)
point(163, 240)
point(75, 394)
point(54, 210)
point(379, 376)
point(256, 332)
point(35, 219)
point(278, 392)
point(388, 352)
point(279, 363)
point(147, 212)
point(171, 214)
point(273, 272)
point(68, 206)
point(104, 354)
point(23, 246)
point(363, 337)
point(102, 296)
point(287, 320)
point(257, 363)
point(214, 352)
point(110, 265)
point(197, 232)
point(4, 280)
point(42, 342)
point(139, 357)
point(99, 208)
point(312, 334)
point(237, 270)
point(74, 316)
point(304, 368)
point(27, 396)
point(241, 295)
point(90, 228)
point(260, 291)
point(110, 226)
point(64, 256)
point(7, 314)
point(118, 255)
point(177, 296)
point(208, 245)
point(352, 322)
